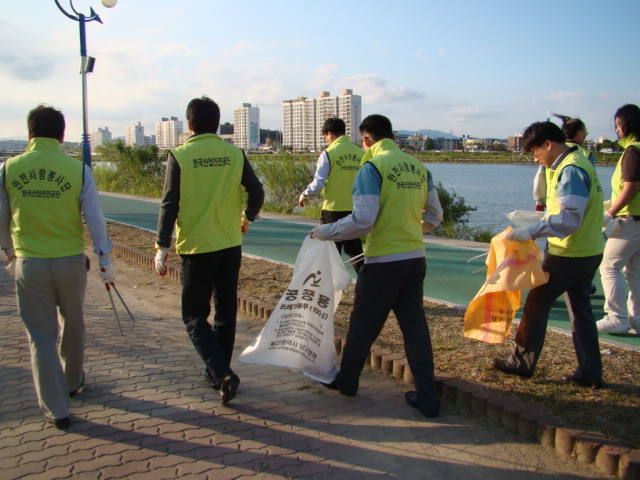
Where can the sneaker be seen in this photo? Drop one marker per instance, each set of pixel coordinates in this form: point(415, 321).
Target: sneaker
point(608, 324)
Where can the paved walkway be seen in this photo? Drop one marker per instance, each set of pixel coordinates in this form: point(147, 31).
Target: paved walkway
point(146, 413)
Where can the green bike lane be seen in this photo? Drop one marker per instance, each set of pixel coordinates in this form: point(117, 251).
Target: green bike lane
point(451, 278)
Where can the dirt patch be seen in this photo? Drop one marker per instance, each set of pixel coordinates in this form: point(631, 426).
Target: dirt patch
point(611, 410)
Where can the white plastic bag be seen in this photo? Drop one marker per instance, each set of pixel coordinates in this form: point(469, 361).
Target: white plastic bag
point(524, 218)
point(299, 332)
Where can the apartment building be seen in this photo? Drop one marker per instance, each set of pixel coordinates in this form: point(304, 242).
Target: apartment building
point(134, 135)
point(246, 127)
point(168, 131)
point(302, 118)
point(102, 136)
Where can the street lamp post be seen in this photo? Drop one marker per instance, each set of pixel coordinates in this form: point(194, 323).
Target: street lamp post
point(86, 66)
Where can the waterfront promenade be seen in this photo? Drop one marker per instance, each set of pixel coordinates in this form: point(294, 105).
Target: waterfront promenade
point(146, 412)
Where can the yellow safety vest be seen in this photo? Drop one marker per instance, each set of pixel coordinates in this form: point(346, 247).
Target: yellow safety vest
point(403, 194)
point(210, 195)
point(617, 184)
point(587, 240)
point(44, 188)
point(345, 158)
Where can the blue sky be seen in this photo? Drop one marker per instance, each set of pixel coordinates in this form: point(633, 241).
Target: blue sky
point(482, 68)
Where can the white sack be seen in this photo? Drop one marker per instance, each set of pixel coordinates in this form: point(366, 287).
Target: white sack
point(299, 332)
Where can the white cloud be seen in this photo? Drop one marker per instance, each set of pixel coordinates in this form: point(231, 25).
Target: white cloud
point(566, 96)
point(240, 47)
point(420, 55)
point(323, 76)
point(375, 89)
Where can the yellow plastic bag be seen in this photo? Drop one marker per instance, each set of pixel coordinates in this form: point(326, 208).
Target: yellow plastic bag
point(512, 267)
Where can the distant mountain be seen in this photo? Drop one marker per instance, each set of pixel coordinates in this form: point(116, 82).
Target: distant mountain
point(17, 137)
point(429, 133)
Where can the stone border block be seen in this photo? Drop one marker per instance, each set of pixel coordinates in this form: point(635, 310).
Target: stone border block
point(528, 423)
point(587, 446)
point(566, 440)
point(608, 457)
point(629, 466)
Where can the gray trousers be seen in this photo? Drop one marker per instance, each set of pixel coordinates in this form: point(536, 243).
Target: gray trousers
point(573, 277)
point(50, 297)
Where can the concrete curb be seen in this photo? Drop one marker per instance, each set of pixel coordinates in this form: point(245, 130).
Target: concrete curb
point(609, 456)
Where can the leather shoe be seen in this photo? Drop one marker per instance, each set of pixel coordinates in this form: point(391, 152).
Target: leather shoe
point(334, 386)
point(502, 366)
point(228, 388)
point(583, 383)
point(210, 380)
point(80, 388)
point(59, 423)
point(410, 398)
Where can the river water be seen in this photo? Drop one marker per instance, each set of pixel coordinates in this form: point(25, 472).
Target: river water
point(497, 189)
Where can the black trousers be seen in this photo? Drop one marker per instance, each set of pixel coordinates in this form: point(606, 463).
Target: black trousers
point(353, 247)
point(573, 277)
point(382, 287)
point(207, 275)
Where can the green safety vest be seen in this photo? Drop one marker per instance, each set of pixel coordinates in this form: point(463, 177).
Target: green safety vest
point(586, 152)
point(210, 195)
point(44, 188)
point(587, 240)
point(345, 158)
point(617, 184)
point(403, 194)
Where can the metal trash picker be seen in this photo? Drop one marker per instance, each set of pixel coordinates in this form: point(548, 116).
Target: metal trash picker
point(115, 312)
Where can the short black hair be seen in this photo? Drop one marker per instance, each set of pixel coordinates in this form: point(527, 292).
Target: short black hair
point(629, 117)
point(203, 114)
point(571, 126)
point(539, 132)
point(334, 125)
point(46, 121)
point(377, 126)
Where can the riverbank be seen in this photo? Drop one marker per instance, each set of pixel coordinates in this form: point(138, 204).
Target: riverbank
point(509, 158)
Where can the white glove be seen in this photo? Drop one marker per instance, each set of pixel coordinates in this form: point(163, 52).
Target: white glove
point(302, 199)
point(161, 259)
point(107, 274)
point(606, 205)
point(606, 220)
point(519, 235)
point(11, 267)
point(316, 233)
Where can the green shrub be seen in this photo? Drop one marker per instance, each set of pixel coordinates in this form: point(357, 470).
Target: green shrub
point(129, 169)
point(284, 178)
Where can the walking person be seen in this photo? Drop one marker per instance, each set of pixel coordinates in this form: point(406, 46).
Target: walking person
point(44, 197)
point(576, 133)
point(203, 198)
point(395, 202)
point(620, 269)
point(336, 171)
point(572, 226)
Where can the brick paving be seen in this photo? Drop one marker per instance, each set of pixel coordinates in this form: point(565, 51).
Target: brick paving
point(146, 413)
